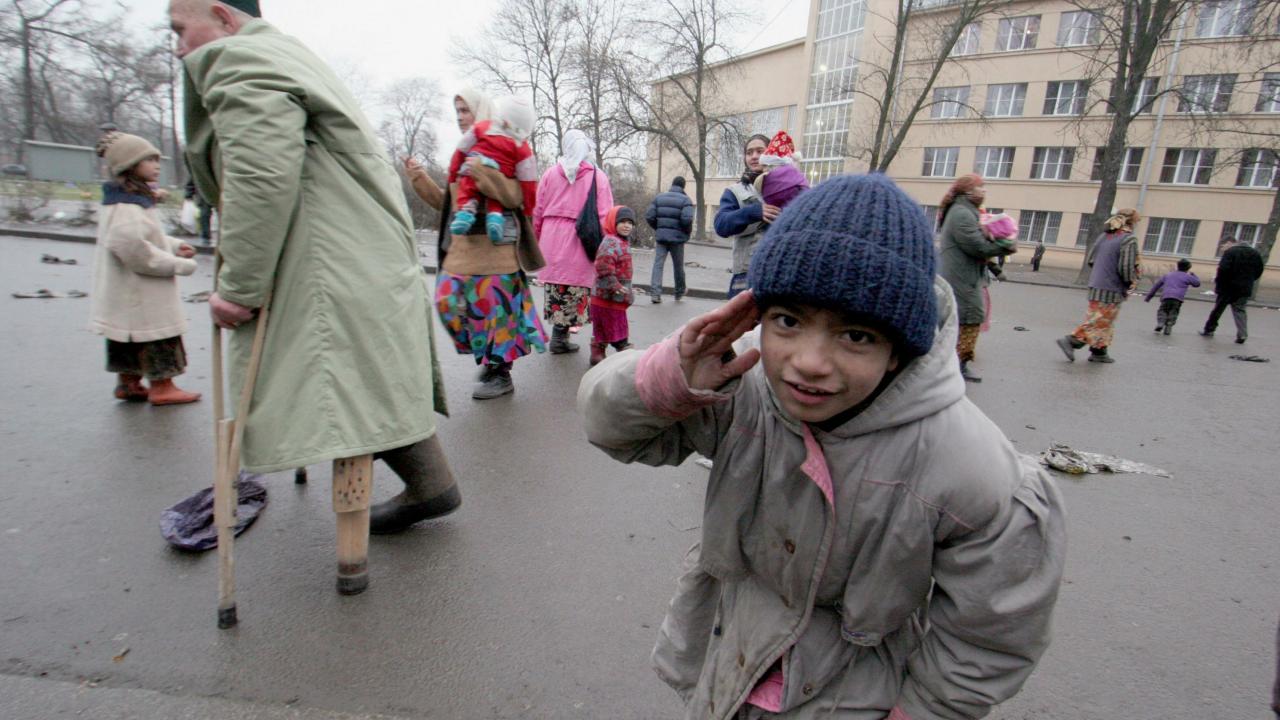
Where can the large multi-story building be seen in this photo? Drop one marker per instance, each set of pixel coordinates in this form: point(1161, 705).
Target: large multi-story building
point(1021, 102)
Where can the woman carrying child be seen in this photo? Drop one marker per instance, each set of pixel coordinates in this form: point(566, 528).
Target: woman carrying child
point(135, 301)
point(1114, 259)
point(964, 251)
point(872, 545)
point(612, 294)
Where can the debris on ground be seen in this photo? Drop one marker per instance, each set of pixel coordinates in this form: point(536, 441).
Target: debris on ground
point(120, 657)
point(1251, 358)
point(705, 462)
point(189, 524)
point(199, 297)
point(1019, 328)
point(55, 260)
point(1078, 462)
point(46, 294)
point(695, 264)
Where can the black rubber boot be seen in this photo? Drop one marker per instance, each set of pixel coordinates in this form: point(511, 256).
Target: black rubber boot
point(1069, 344)
point(969, 375)
point(495, 383)
point(560, 344)
point(430, 490)
point(1099, 355)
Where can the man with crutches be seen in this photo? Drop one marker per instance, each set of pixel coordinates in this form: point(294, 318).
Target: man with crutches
point(318, 263)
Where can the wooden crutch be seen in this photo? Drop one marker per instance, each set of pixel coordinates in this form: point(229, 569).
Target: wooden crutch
point(226, 463)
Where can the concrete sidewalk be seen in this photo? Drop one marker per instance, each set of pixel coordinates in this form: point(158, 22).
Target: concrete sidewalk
point(707, 266)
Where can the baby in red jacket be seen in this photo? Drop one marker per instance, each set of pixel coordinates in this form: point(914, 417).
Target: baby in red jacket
point(502, 143)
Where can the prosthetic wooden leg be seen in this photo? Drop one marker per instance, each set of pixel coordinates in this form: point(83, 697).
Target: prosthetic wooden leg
point(352, 484)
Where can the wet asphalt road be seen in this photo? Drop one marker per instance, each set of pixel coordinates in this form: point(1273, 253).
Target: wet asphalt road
point(541, 597)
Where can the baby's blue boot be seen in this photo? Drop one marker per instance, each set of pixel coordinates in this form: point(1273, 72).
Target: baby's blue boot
point(462, 222)
point(493, 224)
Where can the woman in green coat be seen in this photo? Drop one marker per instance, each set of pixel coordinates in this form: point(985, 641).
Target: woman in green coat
point(314, 221)
point(963, 254)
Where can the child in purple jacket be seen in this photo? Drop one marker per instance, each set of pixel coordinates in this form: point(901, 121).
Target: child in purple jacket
point(1174, 286)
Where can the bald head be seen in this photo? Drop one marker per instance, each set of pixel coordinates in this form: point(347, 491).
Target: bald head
point(197, 22)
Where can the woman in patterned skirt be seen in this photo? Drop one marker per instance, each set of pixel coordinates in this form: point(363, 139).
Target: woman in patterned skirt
point(569, 275)
point(1114, 259)
point(482, 293)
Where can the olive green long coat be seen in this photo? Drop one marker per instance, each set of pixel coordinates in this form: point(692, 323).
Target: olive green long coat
point(963, 252)
point(313, 213)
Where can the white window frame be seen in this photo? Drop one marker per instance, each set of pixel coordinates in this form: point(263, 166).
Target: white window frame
point(1269, 94)
point(1224, 18)
point(969, 42)
point(950, 103)
point(1036, 226)
point(1065, 97)
point(1006, 98)
point(1189, 166)
point(1150, 87)
point(940, 161)
point(1130, 165)
point(1247, 233)
point(1082, 232)
point(1018, 33)
point(1206, 93)
point(1079, 28)
point(991, 161)
point(1052, 163)
point(1170, 236)
point(1258, 169)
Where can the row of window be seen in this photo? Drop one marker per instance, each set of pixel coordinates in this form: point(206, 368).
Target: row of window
point(1259, 168)
point(1225, 18)
point(1199, 93)
point(1163, 236)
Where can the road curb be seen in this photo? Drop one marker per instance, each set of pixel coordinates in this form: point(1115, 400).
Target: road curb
point(693, 292)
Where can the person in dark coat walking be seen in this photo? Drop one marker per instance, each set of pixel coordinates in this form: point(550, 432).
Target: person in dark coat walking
point(1239, 268)
point(962, 261)
point(671, 217)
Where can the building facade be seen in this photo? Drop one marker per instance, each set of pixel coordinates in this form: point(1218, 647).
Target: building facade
point(1021, 102)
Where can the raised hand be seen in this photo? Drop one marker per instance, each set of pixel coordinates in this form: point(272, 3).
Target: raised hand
point(706, 344)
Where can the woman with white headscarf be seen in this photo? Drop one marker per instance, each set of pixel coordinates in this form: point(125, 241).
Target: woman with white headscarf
point(482, 293)
point(569, 274)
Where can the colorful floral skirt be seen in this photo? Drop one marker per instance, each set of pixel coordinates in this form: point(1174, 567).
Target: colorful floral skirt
point(566, 305)
point(609, 321)
point(1099, 326)
point(154, 360)
point(492, 317)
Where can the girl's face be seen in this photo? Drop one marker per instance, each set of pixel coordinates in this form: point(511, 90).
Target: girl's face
point(978, 194)
point(465, 117)
point(624, 228)
point(751, 156)
point(819, 363)
point(148, 170)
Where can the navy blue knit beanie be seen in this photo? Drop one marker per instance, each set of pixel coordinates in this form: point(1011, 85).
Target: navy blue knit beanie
point(856, 244)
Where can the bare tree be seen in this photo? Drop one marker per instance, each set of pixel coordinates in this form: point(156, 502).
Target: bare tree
point(599, 28)
point(687, 40)
point(925, 34)
point(35, 18)
point(527, 49)
point(412, 105)
point(1123, 46)
point(1248, 144)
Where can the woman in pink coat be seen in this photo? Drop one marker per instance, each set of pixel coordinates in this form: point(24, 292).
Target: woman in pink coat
point(569, 274)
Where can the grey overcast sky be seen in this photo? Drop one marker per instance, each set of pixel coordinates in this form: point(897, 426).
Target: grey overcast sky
point(387, 40)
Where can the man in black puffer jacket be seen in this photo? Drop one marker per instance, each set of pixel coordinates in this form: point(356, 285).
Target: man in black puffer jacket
point(671, 217)
point(1239, 268)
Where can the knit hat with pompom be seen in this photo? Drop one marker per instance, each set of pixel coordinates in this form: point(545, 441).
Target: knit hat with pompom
point(855, 244)
point(122, 151)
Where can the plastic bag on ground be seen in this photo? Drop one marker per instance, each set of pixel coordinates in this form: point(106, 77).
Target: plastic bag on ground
point(189, 524)
point(1078, 462)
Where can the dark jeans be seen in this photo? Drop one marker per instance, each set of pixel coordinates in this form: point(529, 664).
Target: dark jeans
point(660, 252)
point(1237, 305)
point(1167, 315)
point(206, 220)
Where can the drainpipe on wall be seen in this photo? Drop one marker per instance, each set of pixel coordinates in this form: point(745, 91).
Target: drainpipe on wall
point(1170, 78)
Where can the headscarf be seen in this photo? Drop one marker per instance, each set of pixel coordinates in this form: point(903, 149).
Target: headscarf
point(576, 147)
point(479, 103)
point(962, 187)
point(1126, 219)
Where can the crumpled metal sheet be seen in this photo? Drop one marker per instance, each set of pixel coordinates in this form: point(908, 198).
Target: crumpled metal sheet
point(1079, 462)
